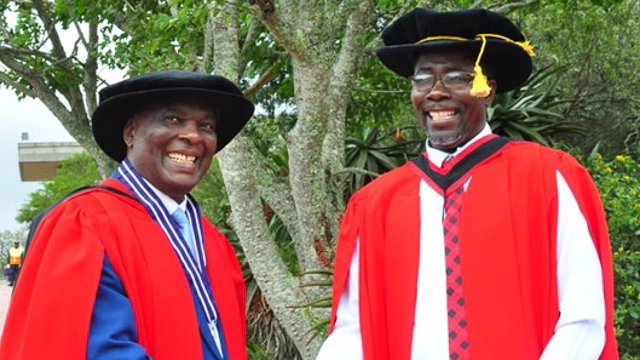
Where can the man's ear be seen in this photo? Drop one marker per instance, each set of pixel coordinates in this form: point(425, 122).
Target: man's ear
point(494, 86)
point(127, 133)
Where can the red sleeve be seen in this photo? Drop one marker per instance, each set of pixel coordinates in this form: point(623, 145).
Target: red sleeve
point(53, 300)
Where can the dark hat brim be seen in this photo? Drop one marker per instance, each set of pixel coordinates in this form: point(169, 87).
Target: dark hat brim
point(110, 118)
point(510, 63)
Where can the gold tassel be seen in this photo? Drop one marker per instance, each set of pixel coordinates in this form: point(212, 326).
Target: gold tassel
point(480, 86)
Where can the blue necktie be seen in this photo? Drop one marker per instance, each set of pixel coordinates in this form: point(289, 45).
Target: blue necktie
point(185, 228)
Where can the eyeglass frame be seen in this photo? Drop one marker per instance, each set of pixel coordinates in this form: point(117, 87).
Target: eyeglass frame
point(441, 78)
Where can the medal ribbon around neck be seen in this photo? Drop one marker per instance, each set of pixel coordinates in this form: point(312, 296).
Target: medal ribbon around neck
point(194, 266)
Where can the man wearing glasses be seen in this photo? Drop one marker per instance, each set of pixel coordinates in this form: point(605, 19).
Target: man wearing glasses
point(483, 247)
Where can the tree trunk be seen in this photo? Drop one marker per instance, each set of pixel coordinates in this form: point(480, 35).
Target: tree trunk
point(266, 264)
point(281, 288)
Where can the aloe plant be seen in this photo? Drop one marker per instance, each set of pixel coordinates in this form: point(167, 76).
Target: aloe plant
point(376, 151)
point(534, 112)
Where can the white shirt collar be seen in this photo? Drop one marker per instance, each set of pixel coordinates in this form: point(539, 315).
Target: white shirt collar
point(168, 202)
point(437, 156)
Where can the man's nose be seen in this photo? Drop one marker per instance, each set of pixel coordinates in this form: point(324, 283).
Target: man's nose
point(190, 131)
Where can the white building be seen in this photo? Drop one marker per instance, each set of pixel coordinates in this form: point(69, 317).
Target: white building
point(39, 160)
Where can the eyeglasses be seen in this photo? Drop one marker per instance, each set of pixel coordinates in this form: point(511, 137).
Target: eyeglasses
point(454, 81)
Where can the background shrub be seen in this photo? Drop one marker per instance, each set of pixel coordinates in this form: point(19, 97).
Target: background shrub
point(619, 185)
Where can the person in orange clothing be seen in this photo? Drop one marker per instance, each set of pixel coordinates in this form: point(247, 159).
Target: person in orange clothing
point(484, 247)
point(130, 269)
point(14, 260)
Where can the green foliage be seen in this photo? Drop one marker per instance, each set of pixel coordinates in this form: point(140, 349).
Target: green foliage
point(73, 172)
point(265, 337)
point(379, 98)
point(597, 46)
point(321, 325)
point(161, 35)
point(257, 352)
point(627, 312)
point(604, 4)
point(282, 240)
point(212, 198)
point(534, 112)
point(618, 181)
point(374, 152)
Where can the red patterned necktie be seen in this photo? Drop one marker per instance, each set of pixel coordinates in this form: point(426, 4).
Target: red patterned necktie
point(458, 337)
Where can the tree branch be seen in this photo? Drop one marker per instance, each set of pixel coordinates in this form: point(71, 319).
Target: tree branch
point(24, 54)
point(276, 191)
point(507, 8)
point(81, 36)
point(266, 76)
point(248, 43)
point(252, 35)
point(282, 30)
point(20, 88)
point(90, 81)
point(49, 26)
point(342, 80)
point(207, 52)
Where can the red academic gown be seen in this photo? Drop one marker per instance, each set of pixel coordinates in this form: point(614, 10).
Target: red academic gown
point(507, 245)
point(51, 308)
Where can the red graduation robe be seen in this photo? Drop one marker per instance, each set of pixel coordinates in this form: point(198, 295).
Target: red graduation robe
point(508, 238)
point(51, 308)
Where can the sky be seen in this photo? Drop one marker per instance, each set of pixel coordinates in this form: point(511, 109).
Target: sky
point(16, 117)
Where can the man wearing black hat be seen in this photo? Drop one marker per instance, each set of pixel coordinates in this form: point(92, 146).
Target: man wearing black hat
point(131, 269)
point(484, 247)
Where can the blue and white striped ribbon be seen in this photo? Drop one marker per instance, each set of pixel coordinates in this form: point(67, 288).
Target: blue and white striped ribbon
point(194, 265)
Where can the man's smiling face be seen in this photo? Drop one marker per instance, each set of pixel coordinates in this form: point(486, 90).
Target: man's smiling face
point(172, 143)
point(450, 116)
